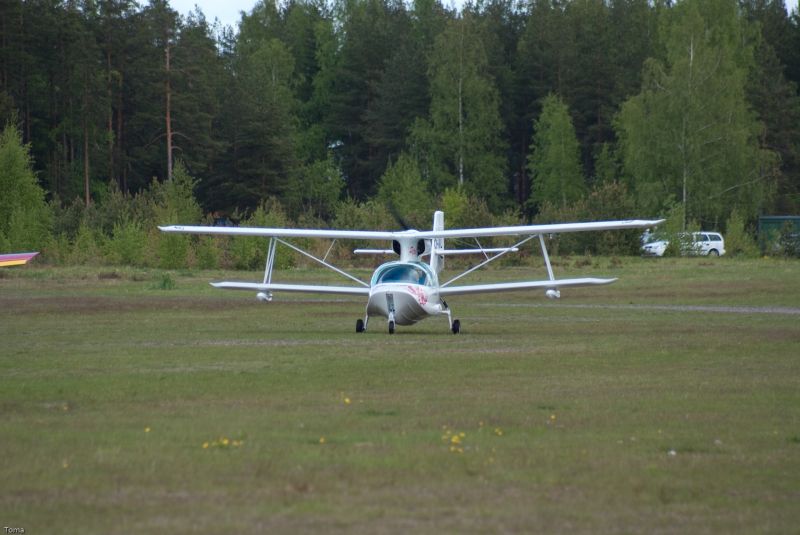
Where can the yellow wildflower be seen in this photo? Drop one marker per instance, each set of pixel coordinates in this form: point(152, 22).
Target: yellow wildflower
point(322, 440)
point(146, 429)
point(347, 401)
point(205, 445)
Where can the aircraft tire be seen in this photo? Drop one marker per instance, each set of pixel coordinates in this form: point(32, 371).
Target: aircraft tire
point(391, 327)
point(359, 325)
point(456, 326)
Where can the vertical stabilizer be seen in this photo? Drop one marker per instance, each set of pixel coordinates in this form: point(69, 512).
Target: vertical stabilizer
point(437, 261)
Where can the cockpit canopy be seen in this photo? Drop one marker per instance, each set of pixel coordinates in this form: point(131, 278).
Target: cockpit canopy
point(404, 272)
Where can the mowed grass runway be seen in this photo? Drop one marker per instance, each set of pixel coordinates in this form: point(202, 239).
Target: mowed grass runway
point(668, 402)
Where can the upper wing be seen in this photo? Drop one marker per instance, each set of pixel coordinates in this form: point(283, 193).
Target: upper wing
point(514, 286)
point(284, 232)
point(556, 228)
point(427, 234)
point(303, 288)
point(15, 259)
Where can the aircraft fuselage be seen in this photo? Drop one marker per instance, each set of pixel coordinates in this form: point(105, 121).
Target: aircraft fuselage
point(404, 302)
point(404, 292)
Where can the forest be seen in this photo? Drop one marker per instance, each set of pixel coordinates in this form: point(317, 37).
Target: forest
point(120, 116)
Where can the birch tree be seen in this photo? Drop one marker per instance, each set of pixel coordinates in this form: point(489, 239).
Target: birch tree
point(461, 141)
point(690, 137)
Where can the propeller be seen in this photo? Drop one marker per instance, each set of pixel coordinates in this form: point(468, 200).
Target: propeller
point(421, 246)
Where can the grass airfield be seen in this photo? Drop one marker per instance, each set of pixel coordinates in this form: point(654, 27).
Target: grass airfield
point(668, 402)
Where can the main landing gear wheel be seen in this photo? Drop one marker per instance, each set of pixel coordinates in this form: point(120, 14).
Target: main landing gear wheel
point(359, 325)
point(456, 326)
point(391, 327)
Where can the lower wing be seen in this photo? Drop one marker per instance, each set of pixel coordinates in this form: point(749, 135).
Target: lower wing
point(514, 286)
point(302, 288)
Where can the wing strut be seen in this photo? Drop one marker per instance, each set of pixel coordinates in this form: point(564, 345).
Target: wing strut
point(495, 257)
point(267, 296)
point(323, 262)
point(552, 293)
point(546, 258)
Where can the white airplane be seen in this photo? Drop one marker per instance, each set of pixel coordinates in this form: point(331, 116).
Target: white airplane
point(407, 291)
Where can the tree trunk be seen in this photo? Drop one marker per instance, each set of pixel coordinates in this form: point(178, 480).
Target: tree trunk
point(461, 108)
point(110, 118)
point(87, 198)
point(168, 115)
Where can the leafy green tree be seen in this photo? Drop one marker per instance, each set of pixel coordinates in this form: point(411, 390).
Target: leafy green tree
point(25, 218)
point(320, 185)
point(461, 143)
point(403, 190)
point(738, 241)
point(554, 161)
point(174, 203)
point(690, 136)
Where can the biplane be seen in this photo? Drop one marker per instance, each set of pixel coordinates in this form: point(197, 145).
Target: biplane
point(408, 290)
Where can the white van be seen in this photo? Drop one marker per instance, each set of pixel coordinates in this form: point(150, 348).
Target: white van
point(701, 243)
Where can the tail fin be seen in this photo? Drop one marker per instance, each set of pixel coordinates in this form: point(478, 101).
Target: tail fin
point(437, 261)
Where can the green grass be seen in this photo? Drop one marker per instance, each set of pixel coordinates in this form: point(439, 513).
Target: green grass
point(614, 410)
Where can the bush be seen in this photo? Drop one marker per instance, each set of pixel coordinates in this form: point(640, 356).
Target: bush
point(85, 248)
point(127, 244)
point(58, 250)
point(208, 252)
point(29, 229)
point(680, 239)
point(738, 242)
point(611, 200)
point(251, 253)
point(571, 242)
point(789, 241)
point(173, 250)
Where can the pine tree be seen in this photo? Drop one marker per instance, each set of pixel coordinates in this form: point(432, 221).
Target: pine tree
point(198, 75)
point(369, 32)
point(265, 156)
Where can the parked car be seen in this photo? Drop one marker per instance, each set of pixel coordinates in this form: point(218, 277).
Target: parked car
point(697, 243)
